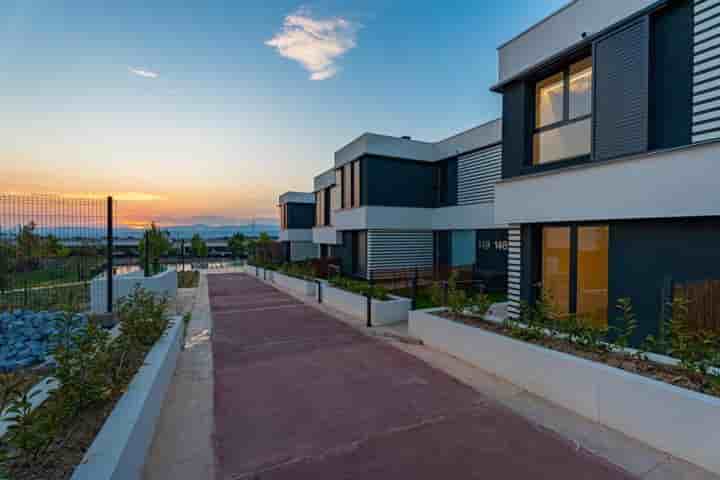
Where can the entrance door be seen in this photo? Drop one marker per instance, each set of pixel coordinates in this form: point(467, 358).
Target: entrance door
point(575, 270)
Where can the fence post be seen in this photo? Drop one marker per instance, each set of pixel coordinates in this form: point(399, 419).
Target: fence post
point(109, 272)
point(445, 292)
point(414, 290)
point(26, 293)
point(369, 303)
point(319, 289)
point(182, 253)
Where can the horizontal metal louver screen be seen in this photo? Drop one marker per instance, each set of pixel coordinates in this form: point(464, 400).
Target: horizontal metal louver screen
point(477, 174)
point(395, 250)
point(706, 70)
point(620, 112)
point(514, 270)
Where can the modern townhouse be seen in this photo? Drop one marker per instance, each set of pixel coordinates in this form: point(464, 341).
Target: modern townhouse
point(297, 218)
point(611, 166)
point(327, 201)
point(397, 204)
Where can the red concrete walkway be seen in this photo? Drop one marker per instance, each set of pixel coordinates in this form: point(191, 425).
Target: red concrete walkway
point(300, 395)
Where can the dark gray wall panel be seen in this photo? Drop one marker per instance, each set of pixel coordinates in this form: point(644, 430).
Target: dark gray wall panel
point(671, 74)
point(516, 128)
point(397, 183)
point(301, 215)
point(643, 253)
point(620, 113)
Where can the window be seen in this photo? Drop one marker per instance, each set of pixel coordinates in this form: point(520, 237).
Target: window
point(441, 184)
point(575, 271)
point(336, 197)
point(321, 206)
point(347, 180)
point(347, 186)
point(592, 274)
point(563, 109)
point(283, 217)
point(339, 184)
point(327, 200)
point(556, 266)
point(356, 183)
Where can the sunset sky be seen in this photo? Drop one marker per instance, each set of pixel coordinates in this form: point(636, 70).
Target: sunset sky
point(206, 114)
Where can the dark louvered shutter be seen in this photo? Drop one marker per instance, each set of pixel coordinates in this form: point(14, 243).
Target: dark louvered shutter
point(620, 114)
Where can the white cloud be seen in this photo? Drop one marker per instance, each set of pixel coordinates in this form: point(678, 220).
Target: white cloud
point(143, 73)
point(315, 43)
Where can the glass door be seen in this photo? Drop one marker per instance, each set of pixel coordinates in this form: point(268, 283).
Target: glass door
point(575, 270)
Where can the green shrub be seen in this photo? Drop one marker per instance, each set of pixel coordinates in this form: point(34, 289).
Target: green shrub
point(360, 287)
point(91, 370)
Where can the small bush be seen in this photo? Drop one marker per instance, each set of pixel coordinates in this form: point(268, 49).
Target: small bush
point(91, 369)
point(361, 287)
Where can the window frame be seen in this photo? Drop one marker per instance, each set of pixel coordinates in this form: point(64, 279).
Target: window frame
point(566, 120)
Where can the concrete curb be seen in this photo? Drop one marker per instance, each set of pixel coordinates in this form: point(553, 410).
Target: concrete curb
point(120, 448)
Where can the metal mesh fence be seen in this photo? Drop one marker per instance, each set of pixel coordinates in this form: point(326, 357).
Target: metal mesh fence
point(51, 247)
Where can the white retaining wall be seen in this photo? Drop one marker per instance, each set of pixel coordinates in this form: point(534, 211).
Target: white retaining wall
point(386, 312)
point(678, 421)
point(164, 283)
point(120, 449)
point(383, 312)
point(297, 285)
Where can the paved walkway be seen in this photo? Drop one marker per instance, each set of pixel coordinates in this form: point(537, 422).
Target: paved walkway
point(182, 447)
point(299, 394)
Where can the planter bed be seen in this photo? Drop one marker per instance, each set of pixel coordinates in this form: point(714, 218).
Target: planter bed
point(110, 440)
point(384, 312)
point(162, 284)
point(299, 286)
point(621, 393)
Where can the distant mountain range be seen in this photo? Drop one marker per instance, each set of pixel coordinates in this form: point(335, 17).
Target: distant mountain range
point(176, 232)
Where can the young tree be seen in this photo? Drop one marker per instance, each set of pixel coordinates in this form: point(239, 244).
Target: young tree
point(237, 245)
point(159, 242)
point(198, 246)
point(28, 247)
point(7, 253)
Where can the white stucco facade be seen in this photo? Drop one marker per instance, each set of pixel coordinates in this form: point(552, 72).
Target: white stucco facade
point(296, 235)
point(675, 183)
point(560, 31)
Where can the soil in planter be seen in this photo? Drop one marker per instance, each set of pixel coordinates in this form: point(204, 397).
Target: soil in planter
point(638, 365)
point(69, 446)
point(188, 279)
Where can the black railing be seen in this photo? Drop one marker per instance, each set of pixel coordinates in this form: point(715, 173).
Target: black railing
point(51, 247)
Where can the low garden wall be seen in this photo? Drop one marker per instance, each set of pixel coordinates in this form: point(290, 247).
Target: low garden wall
point(678, 421)
point(165, 283)
point(383, 312)
point(297, 285)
